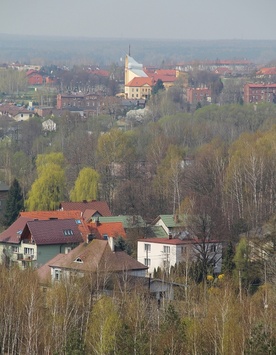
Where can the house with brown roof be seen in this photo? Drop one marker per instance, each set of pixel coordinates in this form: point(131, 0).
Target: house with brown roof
point(100, 206)
point(78, 216)
point(18, 113)
point(30, 242)
point(96, 256)
point(34, 77)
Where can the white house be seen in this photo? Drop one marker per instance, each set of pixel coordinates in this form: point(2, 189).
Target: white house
point(164, 253)
point(49, 125)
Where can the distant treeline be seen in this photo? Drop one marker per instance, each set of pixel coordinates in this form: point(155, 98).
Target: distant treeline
point(69, 51)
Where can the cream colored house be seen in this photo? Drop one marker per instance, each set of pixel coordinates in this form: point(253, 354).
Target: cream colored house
point(139, 88)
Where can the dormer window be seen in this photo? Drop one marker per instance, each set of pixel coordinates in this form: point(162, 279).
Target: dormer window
point(67, 232)
point(78, 260)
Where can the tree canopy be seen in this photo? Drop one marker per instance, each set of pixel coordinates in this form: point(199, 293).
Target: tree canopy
point(48, 189)
point(86, 186)
point(14, 203)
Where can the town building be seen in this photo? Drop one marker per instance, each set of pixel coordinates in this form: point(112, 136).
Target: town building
point(256, 93)
point(34, 78)
point(79, 100)
point(139, 81)
point(195, 95)
point(18, 113)
point(234, 67)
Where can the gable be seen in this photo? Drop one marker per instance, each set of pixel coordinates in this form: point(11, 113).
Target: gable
point(52, 232)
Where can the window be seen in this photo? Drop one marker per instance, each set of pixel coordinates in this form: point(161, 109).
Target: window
point(213, 248)
point(15, 249)
point(166, 249)
point(68, 232)
point(29, 251)
point(78, 260)
point(147, 262)
point(183, 250)
point(67, 250)
point(57, 275)
point(147, 248)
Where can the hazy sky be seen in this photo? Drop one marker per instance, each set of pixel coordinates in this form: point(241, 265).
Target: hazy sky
point(176, 19)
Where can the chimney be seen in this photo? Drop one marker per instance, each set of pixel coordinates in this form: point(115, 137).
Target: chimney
point(90, 237)
point(111, 243)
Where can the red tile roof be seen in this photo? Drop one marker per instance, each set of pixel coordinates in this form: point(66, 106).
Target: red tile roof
point(111, 229)
point(100, 206)
point(99, 72)
point(261, 86)
point(141, 81)
point(161, 73)
point(44, 215)
point(87, 214)
point(267, 71)
point(164, 78)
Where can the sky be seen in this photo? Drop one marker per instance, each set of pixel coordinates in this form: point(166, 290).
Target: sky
point(151, 19)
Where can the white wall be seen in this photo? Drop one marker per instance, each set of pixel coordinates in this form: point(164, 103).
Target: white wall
point(156, 255)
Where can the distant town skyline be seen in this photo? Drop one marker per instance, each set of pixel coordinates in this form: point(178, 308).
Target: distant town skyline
point(175, 19)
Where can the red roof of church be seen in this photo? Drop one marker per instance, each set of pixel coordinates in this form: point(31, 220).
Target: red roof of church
point(141, 81)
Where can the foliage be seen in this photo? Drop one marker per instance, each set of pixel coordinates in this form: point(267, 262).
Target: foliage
point(104, 326)
point(228, 264)
point(261, 341)
point(122, 245)
point(158, 86)
point(86, 186)
point(48, 189)
point(14, 203)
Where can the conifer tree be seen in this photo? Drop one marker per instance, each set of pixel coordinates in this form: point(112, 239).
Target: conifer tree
point(14, 203)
